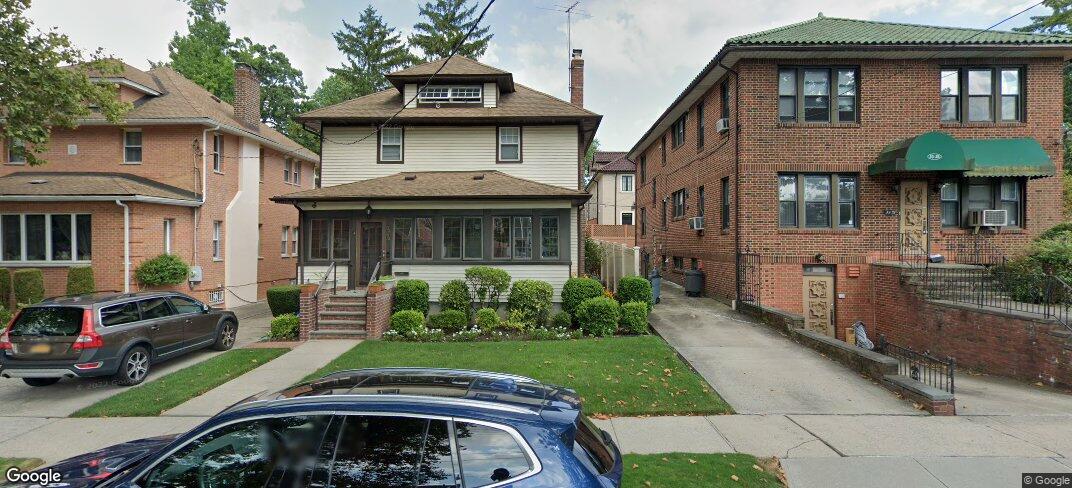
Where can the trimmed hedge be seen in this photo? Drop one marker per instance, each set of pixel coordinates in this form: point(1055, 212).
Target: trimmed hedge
point(487, 319)
point(165, 269)
point(5, 316)
point(455, 296)
point(532, 300)
point(562, 320)
point(408, 322)
point(635, 289)
point(29, 286)
point(284, 299)
point(449, 321)
point(412, 295)
point(80, 280)
point(5, 288)
point(598, 316)
point(284, 327)
point(577, 290)
point(487, 283)
point(635, 318)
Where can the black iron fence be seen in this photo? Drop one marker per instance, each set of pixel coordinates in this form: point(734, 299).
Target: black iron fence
point(1007, 288)
point(920, 366)
point(749, 278)
point(906, 247)
point(972, 249)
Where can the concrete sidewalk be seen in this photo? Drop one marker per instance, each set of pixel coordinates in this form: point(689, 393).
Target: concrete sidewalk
point(277, 374)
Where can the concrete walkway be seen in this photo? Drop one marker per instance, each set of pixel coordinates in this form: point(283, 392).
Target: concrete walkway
point(277, 374)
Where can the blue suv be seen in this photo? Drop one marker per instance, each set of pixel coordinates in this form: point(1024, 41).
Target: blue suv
point(392, 427)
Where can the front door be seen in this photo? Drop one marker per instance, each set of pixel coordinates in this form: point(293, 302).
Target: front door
point(819, 299)
point(914, 219)
point(371, 248)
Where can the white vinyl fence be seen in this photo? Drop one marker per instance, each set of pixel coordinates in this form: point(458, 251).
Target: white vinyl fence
point(619, 261)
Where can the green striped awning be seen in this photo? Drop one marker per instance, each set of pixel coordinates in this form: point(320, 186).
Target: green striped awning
point(938, 151)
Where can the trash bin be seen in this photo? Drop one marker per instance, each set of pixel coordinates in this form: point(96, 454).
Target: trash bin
point(656, 282)
point(694, 280)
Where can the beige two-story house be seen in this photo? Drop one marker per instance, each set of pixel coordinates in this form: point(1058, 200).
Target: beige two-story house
point(454, 165)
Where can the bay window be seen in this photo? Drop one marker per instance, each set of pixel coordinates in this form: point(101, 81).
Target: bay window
point(993, 94)
point(818, 94)
point(818, 201)
point(56, 238)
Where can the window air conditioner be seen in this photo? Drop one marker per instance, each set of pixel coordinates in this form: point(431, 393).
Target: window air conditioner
point(988, 218)
point(722, 125)
point(696, 223)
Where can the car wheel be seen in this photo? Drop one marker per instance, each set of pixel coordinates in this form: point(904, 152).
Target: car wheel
point(41, 381)
point(227, 336)
point(134, 368)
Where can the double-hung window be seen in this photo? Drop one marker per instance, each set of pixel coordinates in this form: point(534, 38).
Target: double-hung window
point(549, 238)
point(522, 237)
point(678, 131)
point(627, 183)
point(726, 99)
point(217, 153)
point(982, 94)
point(132, 146)
point(284, 241)
point(950, 196)
point(296, 175)
point(679, 203)
point(45, 237)
point(701, 200)
point(818, 94)
point(626, 218)
point(169, 230)
point(726, 202)
point(700, 124)
point(643, 165)
point(16, 151)
point(643, 221)
point(817, 201)
point(509, 144)
point(391, 144)
point(217, 235)
point(287, 166)
point(294, 241)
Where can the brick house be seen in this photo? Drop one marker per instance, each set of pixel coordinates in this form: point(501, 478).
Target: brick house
point(186, 173)
point(813, 150)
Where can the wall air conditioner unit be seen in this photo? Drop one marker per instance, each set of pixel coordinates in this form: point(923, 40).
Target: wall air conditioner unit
point(722, 125)
point(988, 218)
point(696, 223)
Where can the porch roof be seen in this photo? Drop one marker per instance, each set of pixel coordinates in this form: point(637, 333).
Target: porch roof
point(938, 151)
point(438, 185)
point(72, 186)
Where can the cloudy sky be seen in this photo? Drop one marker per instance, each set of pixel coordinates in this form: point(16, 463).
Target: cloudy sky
point(639, 54)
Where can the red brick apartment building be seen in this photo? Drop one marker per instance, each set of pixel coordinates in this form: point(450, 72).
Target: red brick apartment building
point(186, 173)
point(815, 149)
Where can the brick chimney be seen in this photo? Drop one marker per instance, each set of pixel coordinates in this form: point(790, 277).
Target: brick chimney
point(247, 99)
point(576, 79)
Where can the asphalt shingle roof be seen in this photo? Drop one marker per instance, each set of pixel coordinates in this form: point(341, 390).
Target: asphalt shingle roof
point(458, 65)
point(833, 30)
point(457, 185)
point(75, 184)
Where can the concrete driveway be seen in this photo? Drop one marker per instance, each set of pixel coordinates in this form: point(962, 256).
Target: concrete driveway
point(759, 371)
point(68, 396)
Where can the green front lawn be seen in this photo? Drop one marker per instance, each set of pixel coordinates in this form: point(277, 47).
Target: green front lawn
point(682, 470)
point(619, 376)
point(152, 398)
point(21, 463)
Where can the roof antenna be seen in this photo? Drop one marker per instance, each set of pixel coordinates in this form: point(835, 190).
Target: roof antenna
point(570, 11)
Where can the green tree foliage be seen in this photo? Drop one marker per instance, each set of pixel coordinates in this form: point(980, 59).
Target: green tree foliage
point(337, 89)
point(5, 289)
point(531, 300)
point(590, 156)
point(204, 54)
point(487, 283)
point(443, 23)
point(282, 85)
point(454, 295)
point(44, 82)
point(372, 50)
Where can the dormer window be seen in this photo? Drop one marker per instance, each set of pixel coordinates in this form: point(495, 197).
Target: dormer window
point(451, 94)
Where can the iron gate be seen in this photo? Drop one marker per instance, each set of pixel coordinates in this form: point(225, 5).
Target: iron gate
point(920, 366)
point(748, 277)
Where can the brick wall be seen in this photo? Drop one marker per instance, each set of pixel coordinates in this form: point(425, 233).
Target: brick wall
point(898, 99)
point(995, 343)
point(378, 312)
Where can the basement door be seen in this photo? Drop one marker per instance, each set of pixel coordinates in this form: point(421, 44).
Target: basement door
point(914, 219)
point(819, 298)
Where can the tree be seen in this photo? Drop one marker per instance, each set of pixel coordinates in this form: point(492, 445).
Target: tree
point(203, 54)
point(590, 156)
point(444, 23)
point(337, 89)
point(372, 50)
point(282, 85)
point(44, 82)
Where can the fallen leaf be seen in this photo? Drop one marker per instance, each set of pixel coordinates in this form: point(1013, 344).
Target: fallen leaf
point(734, 477)
point(692, 461)
point(756, 467)
point(647, 483)
point(635, 466)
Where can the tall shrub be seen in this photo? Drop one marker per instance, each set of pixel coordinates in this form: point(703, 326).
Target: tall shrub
point(593, 256)
point(487, 284)
point(532, 300)
point(5, 288)
point(165, 269)
point(455, 296)
point(284, 299)
point(598, 316)
point(80, 280)
point(577, 290)
point(412, 295)
point(635, 289)
point(29, 286)
point(634, 318)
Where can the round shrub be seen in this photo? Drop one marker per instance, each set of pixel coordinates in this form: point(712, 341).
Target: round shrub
point(284, 328)
point(531, 299)
point(5, 288)
point(1055, 231)
point(80, 280)
point(635, 289)
point(487, 283)
point(408, 323)
point(487, 319)
point(284, 299)
point(562, 320)
point(29, 286)
point(411, 295)
point(449, 321)
point(577, 290)
point(455, 296)
point(165, 269)
point(598, 316)
point(634, 318)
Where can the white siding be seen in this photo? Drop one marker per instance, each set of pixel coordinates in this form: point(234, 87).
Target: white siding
point(313, 274)
point(575, 242)
point(409, 94)
point(549, 153)
point(437, 275)
point(491, 95)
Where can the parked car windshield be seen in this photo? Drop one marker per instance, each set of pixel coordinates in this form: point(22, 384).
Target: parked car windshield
point(48, 321)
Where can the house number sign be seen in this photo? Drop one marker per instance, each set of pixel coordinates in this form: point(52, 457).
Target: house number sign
point(889, 212)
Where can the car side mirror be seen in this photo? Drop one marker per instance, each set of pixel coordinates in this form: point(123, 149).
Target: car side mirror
point(205, 308)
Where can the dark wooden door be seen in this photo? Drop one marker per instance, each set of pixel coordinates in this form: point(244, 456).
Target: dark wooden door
point(371, 248)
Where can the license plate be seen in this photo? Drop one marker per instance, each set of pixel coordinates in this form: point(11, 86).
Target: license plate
point(40, 349)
